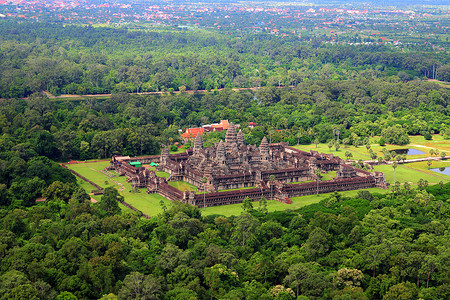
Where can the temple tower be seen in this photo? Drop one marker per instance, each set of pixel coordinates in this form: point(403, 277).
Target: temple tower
point(264, 149)
point(164, 155)
point(230, 137)
point(221, 153)
point(198, 144)
point(240, 139)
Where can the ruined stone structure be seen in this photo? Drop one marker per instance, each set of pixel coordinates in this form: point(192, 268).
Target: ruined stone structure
point(231, 164)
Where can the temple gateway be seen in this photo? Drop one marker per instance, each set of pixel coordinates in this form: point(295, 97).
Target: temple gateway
point(230, 171)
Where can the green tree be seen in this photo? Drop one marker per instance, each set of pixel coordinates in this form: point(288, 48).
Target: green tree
point(140, 286)
point(395, 135)
point(217, 276)
point(263, 205)
point(348, 154)
point(110, 201)
point(317, 243)
point(244, 233)
point(247, 205)
point(297, 273)
point(58, 191)
point(394, 166)
point(330, 145)
point(402, 291)
point(346, 277)
point(316, 142)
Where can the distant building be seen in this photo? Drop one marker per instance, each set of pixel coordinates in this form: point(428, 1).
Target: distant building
point(191, 133)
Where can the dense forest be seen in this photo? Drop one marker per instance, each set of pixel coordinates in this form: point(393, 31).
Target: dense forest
point(90, 60)
point(369, 247)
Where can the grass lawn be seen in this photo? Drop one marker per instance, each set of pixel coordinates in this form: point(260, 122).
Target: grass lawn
point(91, 170)
point(162, 174)
point(412, 172)
point(328, 176)
point(182, 149)
point(297, 202)
point(183, 186)
point(416, 142)
point(358, 153)
point(437, 142)
point(147, 203)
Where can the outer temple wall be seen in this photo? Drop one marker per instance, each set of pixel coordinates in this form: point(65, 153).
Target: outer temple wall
point(286, 164)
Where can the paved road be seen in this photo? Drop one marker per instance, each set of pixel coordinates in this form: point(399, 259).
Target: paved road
point(408, 160)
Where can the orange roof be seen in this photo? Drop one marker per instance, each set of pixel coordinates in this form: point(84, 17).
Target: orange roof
point(192, 132)
point(224, 124)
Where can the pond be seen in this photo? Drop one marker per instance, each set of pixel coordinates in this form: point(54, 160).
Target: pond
point(442, 170)
point(409, 151)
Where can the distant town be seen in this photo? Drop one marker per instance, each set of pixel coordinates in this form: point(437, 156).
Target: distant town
point(353, 25)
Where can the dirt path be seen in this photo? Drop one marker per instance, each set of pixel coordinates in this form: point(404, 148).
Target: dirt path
point(421, 146)
point(65, 96)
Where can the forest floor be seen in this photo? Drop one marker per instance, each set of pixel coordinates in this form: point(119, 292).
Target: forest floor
point(150, 204)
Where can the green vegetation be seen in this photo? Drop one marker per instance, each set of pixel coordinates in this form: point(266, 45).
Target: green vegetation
point(162, 174)
point(356, 94)
point(183, 186)
point(330, 239)
point(328, 176)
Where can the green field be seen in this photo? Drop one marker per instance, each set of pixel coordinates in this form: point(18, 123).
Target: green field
point(162, 174)
point(183, 186)
point(147, 203)
point(297, 202)
point(328, 176)
point(416, 142)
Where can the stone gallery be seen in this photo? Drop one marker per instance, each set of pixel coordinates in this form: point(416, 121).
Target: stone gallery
point(230, 171)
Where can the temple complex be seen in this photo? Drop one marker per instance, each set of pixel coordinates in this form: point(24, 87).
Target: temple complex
point(230, 171)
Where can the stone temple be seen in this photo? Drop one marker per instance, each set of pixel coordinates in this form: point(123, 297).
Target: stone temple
point(230, 171)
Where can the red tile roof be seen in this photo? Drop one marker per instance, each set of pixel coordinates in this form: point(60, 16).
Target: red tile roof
point(192, 132)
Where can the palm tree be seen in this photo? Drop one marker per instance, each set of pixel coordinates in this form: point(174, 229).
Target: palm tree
point(330, 144)
point(380, 160)
point(431, 152)
point(300, 134)
point(337, 145)
point(310, 132)
point(319, 175)
point(348, 154)
point(204, 180)
point(394, 165)
point(271, 179)
point(336, 131)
